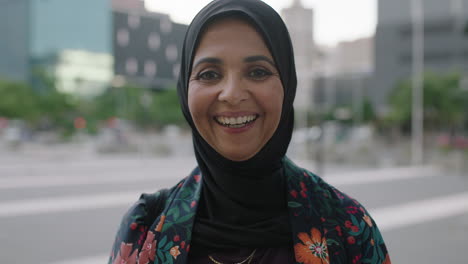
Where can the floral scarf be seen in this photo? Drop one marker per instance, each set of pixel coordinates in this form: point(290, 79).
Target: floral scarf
point(327, 225)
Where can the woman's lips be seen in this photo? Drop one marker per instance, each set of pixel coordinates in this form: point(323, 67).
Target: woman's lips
point(237, 123)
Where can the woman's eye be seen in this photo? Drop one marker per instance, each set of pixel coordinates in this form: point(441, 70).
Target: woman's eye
point(259, 74)
point(208, 76)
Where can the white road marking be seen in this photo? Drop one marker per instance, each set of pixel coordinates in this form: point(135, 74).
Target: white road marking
point(101, 259)
point(146, 174)
point(398, 216)
point(67, 203)
point(383, 175)
point(56, 181)
point(387, 218)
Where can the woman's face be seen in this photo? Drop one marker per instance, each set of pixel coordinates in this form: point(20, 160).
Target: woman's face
point(235, 93)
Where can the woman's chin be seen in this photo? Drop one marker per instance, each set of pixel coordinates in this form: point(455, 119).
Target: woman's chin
point(237, 155)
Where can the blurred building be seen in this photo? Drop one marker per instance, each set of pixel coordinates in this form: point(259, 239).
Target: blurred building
point(66, 37)
point(445, 42)
point(346, 74)
point(146, 46)
point(84, 44)
point(299, 21)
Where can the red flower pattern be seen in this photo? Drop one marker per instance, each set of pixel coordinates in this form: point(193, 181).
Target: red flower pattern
point(303, 186)
point(357, 259)
point(148, 251)
point(348, 224)
point(293, 193)
point(351, 210)
point(125, 254)
point(338, 229)
point(197, 177)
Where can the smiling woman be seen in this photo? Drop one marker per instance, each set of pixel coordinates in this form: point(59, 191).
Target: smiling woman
point(235, 93)
point(245, 202)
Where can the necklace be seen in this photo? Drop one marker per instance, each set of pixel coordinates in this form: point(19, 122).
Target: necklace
point(249, 258)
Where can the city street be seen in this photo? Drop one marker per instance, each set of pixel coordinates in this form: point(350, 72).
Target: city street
point(67, 210)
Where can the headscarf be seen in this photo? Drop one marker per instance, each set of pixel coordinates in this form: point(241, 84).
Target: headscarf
point(242, 204)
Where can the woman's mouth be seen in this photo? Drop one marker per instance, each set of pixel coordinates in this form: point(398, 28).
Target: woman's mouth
point(235, 122)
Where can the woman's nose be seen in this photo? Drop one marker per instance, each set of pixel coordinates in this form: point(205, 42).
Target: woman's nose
point(233, 91)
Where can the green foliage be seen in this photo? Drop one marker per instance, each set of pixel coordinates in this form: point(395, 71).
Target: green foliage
point(42, 106)
point(445, 104)
point(145, 108)
point(17, 100)
point(368, 111)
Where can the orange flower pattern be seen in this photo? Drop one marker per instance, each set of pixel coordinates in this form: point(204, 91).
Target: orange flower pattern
point(368, 220)
point(175, 252)
point(313, 249)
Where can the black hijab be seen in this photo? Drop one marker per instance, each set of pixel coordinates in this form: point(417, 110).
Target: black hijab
point(242, 204)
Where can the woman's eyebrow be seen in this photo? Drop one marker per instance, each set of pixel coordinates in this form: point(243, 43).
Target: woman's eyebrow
point(207, 60)
point(259, 58)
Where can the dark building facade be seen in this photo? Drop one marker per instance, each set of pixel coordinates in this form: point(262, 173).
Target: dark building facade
point(147, 48)
point(445, 42)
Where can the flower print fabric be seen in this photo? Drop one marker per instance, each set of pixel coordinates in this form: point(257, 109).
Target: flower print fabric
point(327, 225)
point(313, 249)
point(126, 254)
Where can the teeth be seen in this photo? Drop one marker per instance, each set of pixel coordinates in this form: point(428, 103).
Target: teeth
point(235, 121)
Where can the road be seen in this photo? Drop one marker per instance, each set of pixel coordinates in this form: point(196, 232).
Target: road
point(66, 210)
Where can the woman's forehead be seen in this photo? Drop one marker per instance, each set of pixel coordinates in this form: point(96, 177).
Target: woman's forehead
point(231, 33)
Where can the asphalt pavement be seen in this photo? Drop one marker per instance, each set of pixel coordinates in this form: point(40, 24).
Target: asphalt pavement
point(65, 210)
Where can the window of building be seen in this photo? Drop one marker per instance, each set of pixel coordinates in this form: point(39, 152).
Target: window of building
point(123, 37)
point(150, 68)
point(176, 70)
point(166, 25)
point(171, 53)
point(131, 66)
point(154, 41)
point(133, 21)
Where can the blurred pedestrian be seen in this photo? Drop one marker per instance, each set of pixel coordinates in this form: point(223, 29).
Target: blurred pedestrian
point(246, 202)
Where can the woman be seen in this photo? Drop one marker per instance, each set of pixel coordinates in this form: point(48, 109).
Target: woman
point(245, 202)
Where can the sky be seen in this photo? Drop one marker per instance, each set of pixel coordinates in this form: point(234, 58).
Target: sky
point(335, 20)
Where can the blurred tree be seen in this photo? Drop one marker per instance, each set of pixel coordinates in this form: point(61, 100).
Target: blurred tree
point(445, 104)
point(46, 108)
point(42, 107)
point(18, 101)
point(146, 108)
point(57, 110)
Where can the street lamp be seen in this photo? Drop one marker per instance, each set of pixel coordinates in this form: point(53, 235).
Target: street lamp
point(417, 122)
